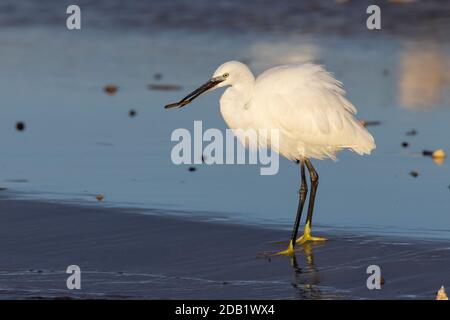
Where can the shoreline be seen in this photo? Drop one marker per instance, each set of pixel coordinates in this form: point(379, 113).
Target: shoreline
point(204, 216)
point(127, 255)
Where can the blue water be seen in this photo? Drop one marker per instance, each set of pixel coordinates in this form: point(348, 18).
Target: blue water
point(80, 142)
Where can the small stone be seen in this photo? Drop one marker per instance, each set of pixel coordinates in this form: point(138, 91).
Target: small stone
point(414, 174)
point(367, 123)
point(412, 132)
point(157, 76)
point(99, 197)
point(405, 144)
point(111, 89)
point(20, 126)
point(132, 113)
point(192, 169)
point(438, 154)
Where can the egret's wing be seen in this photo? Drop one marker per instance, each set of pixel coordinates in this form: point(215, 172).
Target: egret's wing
point(307, 104)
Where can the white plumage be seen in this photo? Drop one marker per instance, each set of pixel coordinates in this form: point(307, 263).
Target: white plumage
point(303, 101)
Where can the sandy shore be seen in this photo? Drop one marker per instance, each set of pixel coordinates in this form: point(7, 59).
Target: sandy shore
point(125, 254)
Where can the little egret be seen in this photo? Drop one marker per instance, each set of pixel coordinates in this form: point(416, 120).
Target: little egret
point(307, 106)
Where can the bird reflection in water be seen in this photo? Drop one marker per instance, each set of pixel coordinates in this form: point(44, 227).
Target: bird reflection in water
point(307, 277)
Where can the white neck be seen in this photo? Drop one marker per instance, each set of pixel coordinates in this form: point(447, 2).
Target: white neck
point(235, 102)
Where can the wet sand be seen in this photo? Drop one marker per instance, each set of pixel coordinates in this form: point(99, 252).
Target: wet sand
point(126, 254)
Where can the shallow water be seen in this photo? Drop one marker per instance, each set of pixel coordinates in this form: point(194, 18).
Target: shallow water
point(79, 142)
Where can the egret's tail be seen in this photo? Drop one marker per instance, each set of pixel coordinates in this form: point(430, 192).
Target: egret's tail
point(364, 142)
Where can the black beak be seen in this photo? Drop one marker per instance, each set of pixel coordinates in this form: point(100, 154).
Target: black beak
point(194, 94)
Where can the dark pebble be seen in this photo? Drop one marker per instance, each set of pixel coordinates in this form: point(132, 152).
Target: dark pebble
point(371, 123)
point(111, 89)
point(415, 174)
point(132, 113)
point(157, 76)
point(405, 144)
point(412, 132)
point(20, 126)
point(192, 169)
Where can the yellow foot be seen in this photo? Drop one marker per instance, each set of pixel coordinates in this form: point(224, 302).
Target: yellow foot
point(307, 237)
point(288, 252)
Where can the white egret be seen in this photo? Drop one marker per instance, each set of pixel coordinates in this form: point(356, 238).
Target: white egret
point(308, 107)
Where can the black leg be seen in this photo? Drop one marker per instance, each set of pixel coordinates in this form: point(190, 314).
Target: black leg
point(312, 197)
point(303, 192)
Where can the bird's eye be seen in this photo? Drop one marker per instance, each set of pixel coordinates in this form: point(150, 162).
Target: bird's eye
point(225, 75)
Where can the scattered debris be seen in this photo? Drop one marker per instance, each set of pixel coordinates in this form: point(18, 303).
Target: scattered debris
point(438, 154)
point(192, 169)
point(414, 174)
point(132, 113)
point(99, 197)
point(157, 76)
point(111, 89)
point(366, 123)
point(20, 126)
point(412, 132)
point(164, 87)
point(441, 295)
point(405, 144)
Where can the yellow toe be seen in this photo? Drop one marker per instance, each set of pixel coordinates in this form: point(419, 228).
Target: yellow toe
point(309, 238)
point(288, 252)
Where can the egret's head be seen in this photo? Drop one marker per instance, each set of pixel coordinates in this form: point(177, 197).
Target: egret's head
point(230, 72)
point(226, 75)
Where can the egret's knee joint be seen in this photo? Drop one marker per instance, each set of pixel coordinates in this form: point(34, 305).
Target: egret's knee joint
point(303, 190)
